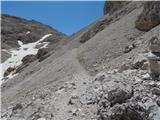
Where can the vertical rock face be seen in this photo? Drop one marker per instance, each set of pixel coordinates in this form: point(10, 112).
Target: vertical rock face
point(150, 16)
point(112, 6)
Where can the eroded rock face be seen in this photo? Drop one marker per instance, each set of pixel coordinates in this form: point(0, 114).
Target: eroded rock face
point(112, 6)
point(150, 16)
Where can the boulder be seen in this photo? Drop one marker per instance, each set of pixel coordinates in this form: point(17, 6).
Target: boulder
point(150, 16)
point(43, 53)
point(8, 71)
point(119, 94)
point(28, 59)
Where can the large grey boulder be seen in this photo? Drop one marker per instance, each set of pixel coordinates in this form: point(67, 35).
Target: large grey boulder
point(28, 59)
point(119, 94)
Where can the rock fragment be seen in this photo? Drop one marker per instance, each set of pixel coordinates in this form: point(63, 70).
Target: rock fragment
point(129, 48)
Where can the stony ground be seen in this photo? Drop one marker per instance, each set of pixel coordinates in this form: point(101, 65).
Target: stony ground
point(103, 79)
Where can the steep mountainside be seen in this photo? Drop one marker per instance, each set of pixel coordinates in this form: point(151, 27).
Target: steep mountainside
point(16, 29)
point(25, 41)
point(108, 75)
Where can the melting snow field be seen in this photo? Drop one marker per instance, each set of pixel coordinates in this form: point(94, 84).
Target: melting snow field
point(18, 54)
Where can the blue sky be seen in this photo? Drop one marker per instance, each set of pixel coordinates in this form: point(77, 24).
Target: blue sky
point(67, 17)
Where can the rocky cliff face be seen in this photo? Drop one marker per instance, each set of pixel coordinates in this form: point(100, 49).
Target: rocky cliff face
point(111, 6)
point(111, 76)
point(150, 16)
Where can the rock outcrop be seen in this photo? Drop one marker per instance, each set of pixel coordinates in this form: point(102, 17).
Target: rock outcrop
point(112, 6)
point(150, 16)
point(28, 59)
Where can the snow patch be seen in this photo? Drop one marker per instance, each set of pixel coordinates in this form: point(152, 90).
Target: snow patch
point(20, 43)
point(41, 119)
point(28, 32)
point(18, 54)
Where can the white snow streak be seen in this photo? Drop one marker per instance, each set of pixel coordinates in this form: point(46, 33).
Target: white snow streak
point(28, 32)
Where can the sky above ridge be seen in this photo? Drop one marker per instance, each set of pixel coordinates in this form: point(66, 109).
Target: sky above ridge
point(67, 17)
